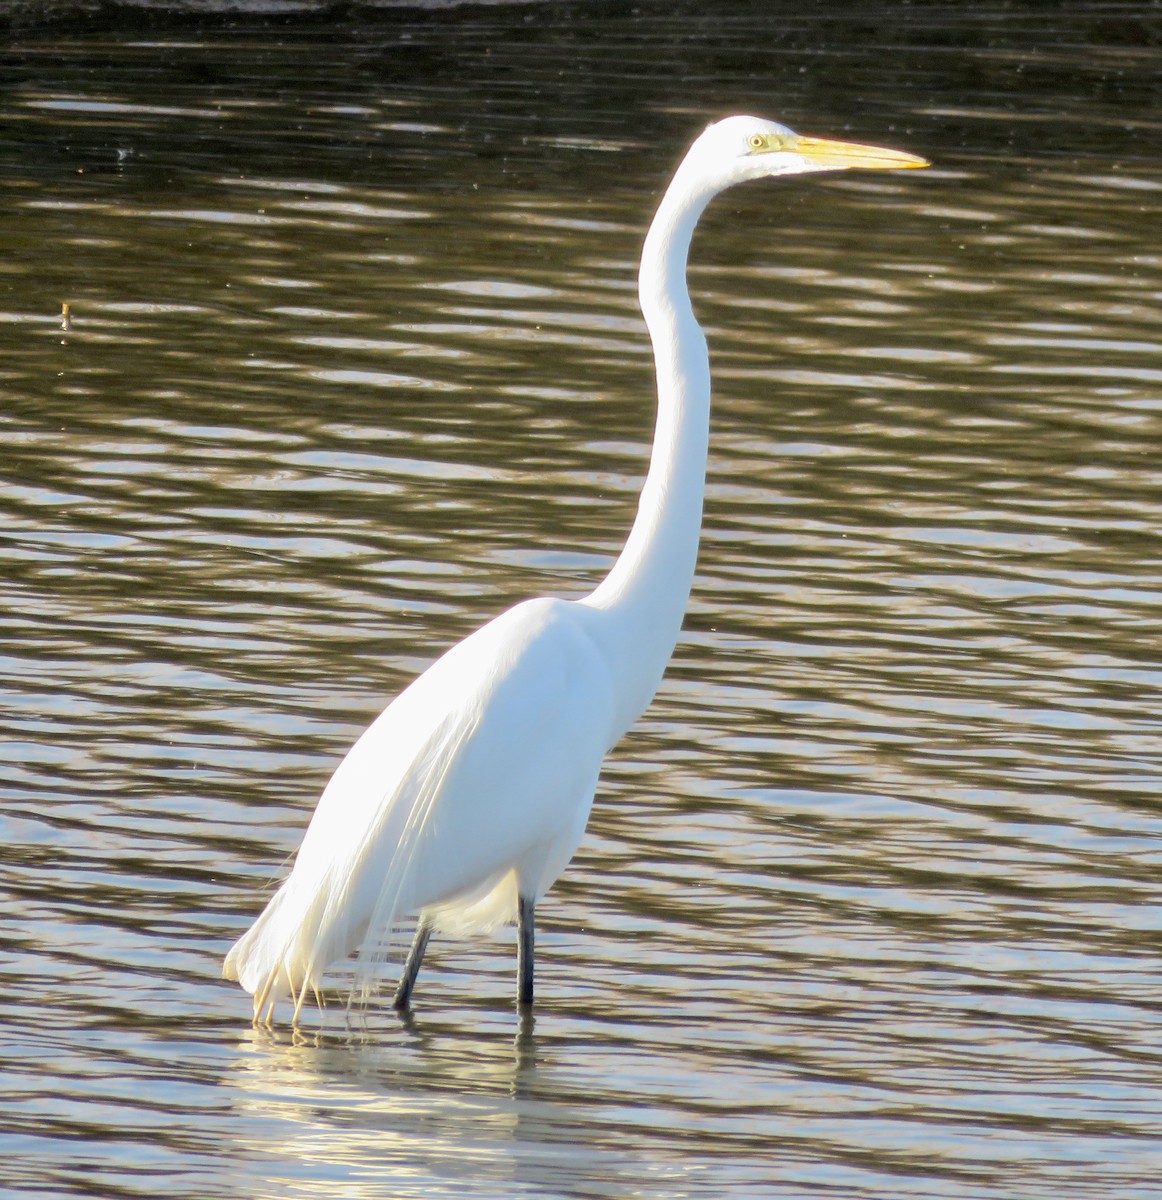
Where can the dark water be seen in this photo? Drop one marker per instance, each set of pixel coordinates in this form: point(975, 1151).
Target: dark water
point(869, 903)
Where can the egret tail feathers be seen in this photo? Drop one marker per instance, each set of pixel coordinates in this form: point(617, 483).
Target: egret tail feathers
point(277, 956)
point(335, 903)
point(396, 891)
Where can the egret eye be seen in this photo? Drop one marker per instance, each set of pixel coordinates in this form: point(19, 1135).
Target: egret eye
point(757, 141)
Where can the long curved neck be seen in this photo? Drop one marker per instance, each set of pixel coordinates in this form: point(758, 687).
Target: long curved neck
point(643, 598)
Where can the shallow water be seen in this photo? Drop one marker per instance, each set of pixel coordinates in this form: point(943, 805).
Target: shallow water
point(869, 901)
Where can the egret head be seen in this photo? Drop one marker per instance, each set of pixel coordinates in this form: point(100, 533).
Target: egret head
point(740, 148)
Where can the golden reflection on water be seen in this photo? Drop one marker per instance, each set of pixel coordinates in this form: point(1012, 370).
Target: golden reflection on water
point(347, 1111)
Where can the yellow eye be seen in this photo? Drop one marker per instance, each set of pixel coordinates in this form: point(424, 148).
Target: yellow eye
point(757, 141)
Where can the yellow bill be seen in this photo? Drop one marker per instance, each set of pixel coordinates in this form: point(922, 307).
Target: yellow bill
point(823, 153)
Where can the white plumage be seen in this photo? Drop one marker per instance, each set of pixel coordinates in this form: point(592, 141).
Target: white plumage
point(467, 797)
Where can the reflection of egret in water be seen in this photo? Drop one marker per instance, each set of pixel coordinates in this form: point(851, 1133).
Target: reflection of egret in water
point(426, 1115)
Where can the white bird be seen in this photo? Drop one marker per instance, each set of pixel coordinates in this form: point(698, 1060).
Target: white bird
point(467, 797)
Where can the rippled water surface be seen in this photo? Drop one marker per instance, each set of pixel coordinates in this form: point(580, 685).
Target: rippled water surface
point(869, 901)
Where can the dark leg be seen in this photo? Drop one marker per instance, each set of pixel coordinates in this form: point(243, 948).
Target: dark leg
point(524, 952)
point(407, 981)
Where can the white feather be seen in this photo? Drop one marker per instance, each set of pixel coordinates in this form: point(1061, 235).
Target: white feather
point(408, 823)
point(471, 791)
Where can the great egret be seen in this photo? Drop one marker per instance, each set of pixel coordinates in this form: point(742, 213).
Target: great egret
point(467, 797)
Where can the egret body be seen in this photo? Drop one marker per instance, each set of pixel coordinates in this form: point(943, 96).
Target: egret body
point(466, 798)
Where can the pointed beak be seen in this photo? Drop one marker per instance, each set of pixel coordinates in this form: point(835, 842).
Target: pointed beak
point(826, 155)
